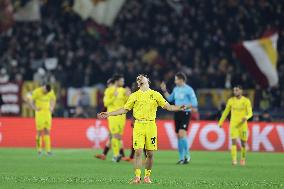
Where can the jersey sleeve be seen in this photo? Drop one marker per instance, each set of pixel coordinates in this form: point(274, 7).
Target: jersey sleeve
point(130, 102)
point(160, 100)
point(225, 113)
point(249, 109)
point(171, 97)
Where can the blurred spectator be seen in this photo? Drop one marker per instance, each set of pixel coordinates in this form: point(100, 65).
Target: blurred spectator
point(1, 103)
point(4, 77)
point(84, 99)
point(217, 115)
point(158, 38)
point(265, 116)
point(80, 113)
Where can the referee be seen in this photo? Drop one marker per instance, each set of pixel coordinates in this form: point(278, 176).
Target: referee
point(182, 94)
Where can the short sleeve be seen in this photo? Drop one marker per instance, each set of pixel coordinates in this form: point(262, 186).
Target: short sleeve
point(171, 97)
point(160, 99)
point(130, 102)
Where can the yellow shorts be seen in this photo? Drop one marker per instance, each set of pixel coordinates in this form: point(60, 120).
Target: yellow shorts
point(241, 132)
point(116, 124)
point(145, 135)
point(43, 120)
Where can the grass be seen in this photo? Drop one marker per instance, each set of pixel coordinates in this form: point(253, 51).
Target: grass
point(23, 169)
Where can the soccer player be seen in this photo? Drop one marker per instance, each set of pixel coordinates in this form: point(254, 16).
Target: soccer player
point(182, 94)
point(241, 111)
point(144, 103)
point(102, 156)
point(115, 98)
point(43, 102)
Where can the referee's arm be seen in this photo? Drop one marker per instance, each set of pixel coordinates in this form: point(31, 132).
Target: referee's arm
point(170, 97)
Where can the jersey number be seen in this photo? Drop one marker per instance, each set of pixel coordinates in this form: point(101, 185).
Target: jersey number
point(153, 140)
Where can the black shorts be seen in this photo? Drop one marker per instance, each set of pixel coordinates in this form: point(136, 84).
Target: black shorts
point(181, 120)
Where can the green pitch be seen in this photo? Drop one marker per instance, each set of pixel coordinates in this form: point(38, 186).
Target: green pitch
point(23, 169)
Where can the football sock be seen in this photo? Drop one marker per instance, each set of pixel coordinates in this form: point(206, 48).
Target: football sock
point(243, 153)
point(234, 152)
point(137, 172)
point(47, 143)
point(115, 143)
point(180, 149)
point(186, 148)
point(106, 149)
point(121, 151)
point(39, 143)
point(147, 172)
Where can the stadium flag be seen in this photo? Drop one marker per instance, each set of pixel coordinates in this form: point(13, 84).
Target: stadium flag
point(102, 12)
point(260, 58)
point(30, 12)
point(83, 8)
point(105, 11)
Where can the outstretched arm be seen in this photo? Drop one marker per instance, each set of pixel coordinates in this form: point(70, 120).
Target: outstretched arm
point(114, 113)
point(225, 114)
point(174, 108)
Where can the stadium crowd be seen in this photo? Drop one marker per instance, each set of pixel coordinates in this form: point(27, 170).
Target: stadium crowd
point(157, 37)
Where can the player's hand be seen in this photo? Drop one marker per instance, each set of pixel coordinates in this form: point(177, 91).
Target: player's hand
point(244, 120)
point(189, 106)
point(220, 126)
point(163, 86)
point(102, 115)
point(183, 107)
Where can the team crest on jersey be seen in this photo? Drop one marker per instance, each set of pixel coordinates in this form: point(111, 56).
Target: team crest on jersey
point(151, 96)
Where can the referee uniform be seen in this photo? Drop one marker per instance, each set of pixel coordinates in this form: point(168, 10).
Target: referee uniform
point(183, 95)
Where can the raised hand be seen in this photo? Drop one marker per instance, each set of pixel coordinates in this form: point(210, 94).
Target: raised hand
point(163, 86)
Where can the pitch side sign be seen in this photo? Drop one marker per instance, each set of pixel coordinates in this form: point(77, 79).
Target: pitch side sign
point(93, 133)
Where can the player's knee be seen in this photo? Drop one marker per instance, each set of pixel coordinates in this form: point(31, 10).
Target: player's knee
point(234, 142)
point(149, 154)
point(117, 136)
point(138, 153)
point(46, 131)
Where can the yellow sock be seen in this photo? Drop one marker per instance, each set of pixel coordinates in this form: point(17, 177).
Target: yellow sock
point(147, 172)
point(47, 143)
point(234, 152)
point(39, 143)
point(137, 172)
point(243, 153)
point(115, 144)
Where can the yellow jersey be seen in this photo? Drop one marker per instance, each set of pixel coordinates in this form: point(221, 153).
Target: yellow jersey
point(113, 102)
point(239, 108)
point(42, 101)
point(145, 104)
